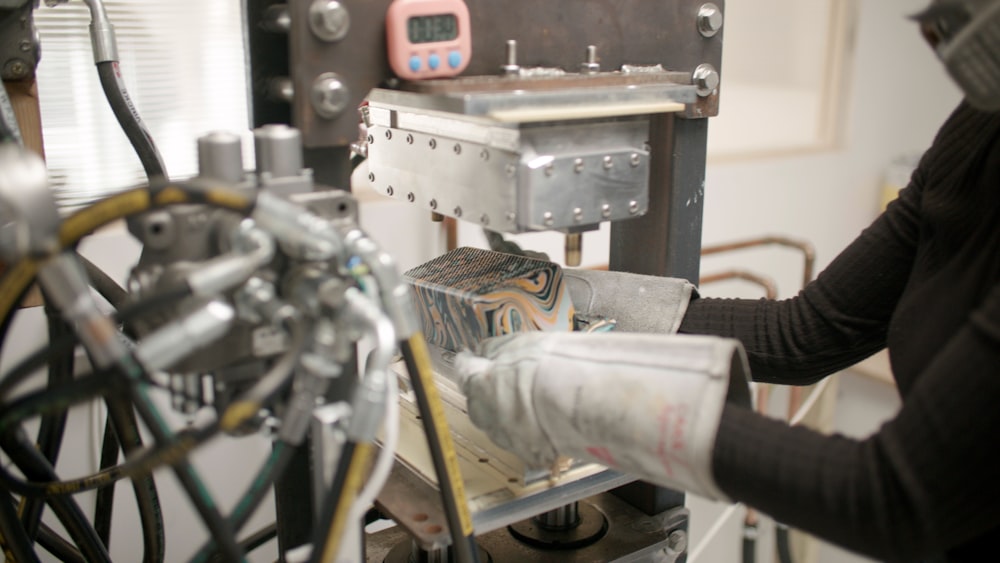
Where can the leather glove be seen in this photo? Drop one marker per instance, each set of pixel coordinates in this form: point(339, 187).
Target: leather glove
point(638, 303)
point(649, 405)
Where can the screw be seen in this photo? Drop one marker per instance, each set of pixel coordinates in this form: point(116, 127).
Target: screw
point(371, 176)
point(388, 134)
point(606, 210)
point(434, 204)
point(409, 139)
point(578, 165)
point(329, 20)
point(677, 541)
point(458, 212)
point(484, 154)
point(330, 96)
point(608, 163)
point(511, 67)
point(371, 139)
point(410, 197)
point(709, 20)
point(578, 215)
point(389, 190)
point(485, 219)
point(633, 159)
point(706, 78)
point(432, 144)
point(590, 65)
point(549, 221)
point(457, 148)
point(17, 69)
point(633, 207)
point(24, 45)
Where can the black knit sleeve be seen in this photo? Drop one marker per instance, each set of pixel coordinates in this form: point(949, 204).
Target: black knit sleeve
point(925, 482)
point(839, 319)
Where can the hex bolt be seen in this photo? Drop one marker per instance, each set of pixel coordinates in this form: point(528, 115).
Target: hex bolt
point(709, 20)
point(330, 96)
point(578, 165)
point(458, 212)
point(706, 79)
point(329, 20)
point(549, 220)
point(633, 159)
point(609, 163)
point(434, 204)
point(633, 207)
point(410, 197)
point(677, 541)
point(511, 67)
point(606, 210)
point(590, 65)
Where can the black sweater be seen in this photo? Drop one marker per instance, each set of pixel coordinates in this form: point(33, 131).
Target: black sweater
point(924, 281)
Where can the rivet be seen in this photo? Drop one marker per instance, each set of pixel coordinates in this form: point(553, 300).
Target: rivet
point(410, 197)
point(485, 219)
point(371, 139)
point(389, 190)
point(484, 154)
point(511, 170)
point(388, 134)
point(433, 143)
point(371, 176)
point(608, 163)
point(578, 165)
point(458, 212)
point(634, 159)
point(578, 215)
point(457, 148)
point(606, 210)
point(549, 221)
point(434, 204)
point(633, 207)
point(409, 139)
point(550, 170)
point(511, 216)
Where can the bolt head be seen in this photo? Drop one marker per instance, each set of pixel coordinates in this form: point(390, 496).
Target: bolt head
point(706, 79)
point(608, 163)
point(410, 197)
point(709, 20)
point(578, 214)
point(606, 210)
point(578, 165)
point(388, 134)
point(409, 139)
point(458, 212)
point(330, 96)
point(634, 160)
point(677, 541)
point(24, 46)
point(633, 207)
point(457, 148)
point(329, 20)
point(389, 190)
point(432, 143)
point(434, 204)
point(548, 219)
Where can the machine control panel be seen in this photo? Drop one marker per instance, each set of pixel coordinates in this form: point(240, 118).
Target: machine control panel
point(428, 38)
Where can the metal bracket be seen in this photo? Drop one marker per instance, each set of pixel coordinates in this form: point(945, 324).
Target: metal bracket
point(20, 50)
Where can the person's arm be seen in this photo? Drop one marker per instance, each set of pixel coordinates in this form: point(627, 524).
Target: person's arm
point(925, 482)
point(837, 320)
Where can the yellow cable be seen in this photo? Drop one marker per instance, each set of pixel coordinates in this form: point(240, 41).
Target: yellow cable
point(439, 425)
point(352, 486)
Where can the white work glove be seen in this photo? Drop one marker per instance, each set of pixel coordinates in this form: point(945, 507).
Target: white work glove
point(649, 304)
point(648, 405)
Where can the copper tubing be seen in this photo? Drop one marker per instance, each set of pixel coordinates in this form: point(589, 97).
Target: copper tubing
point(805, 247)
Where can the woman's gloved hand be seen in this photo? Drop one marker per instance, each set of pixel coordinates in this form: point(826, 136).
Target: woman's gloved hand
point(643, 404)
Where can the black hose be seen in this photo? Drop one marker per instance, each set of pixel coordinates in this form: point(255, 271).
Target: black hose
point(35, 467)
point(104, 504)
point(259, 538)
point(128, 117)
point(56, 545)
point(16, 545)
point(53, 426)
point(783, 544)
point(148, 500)
point(105, 285)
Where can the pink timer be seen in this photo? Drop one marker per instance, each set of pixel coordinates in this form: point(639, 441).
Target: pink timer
point(428, 38)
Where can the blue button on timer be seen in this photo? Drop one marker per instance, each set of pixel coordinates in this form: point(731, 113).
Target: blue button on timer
point(433, 61)
point(454, 59)
point(414, 63)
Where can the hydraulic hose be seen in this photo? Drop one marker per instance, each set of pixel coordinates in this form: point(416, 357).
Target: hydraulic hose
point(15, 542)
point(347, 478)
point(105, 501)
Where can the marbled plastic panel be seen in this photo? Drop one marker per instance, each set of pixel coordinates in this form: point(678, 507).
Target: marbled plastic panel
point(471, 294)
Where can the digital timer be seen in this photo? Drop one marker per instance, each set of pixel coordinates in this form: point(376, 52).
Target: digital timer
point(428, 38)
